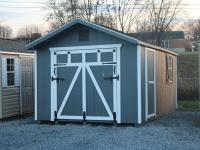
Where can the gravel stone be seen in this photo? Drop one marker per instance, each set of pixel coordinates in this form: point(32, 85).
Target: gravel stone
point(176, 131)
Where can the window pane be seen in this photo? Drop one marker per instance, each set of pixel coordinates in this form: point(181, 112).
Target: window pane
point(62, 58)
point(10, 78)
point(76, 58)
point(169, 69)
point(8, 67)
point(91, 57)
point(12, 68)
point(106, 56)
point(8, 61)
point(12, 61)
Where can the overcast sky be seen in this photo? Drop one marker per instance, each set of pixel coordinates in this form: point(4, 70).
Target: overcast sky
point(16, 14)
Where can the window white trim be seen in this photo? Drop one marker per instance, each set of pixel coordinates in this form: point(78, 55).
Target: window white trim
point(16, 70)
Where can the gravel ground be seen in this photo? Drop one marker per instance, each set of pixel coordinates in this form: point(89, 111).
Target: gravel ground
point(179, 130)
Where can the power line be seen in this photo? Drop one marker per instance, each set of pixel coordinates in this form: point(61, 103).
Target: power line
point(185, 4)
point(28, 7)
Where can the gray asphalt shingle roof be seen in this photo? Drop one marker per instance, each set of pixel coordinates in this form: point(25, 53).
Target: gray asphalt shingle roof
point(169, 35)
point(9, 45)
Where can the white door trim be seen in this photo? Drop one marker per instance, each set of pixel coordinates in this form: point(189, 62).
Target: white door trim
point(53, 87)
point(83, 50)
point(146, 88)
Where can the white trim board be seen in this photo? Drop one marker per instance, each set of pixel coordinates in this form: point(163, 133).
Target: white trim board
point(15, 53)
point(139, 84)
point(154, 82)
point(53, 87)
point(85, 47)
point(35, 86)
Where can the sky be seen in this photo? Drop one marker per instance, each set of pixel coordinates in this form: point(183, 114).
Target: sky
point(16, 13)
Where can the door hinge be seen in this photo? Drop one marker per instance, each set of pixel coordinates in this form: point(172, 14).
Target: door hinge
point(55, 115)
point(84, 115)
point(114, 116)
point(114, 69)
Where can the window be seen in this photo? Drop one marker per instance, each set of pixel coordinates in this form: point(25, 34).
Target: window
point(84, 35)
point(165, 44)
point(169, 69)
point(10, 72)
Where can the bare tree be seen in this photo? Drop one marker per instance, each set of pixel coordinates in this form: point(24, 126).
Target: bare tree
point(160, 15)
point(5, 31)
point(126, 12)
point(118, 14)
point(66, 10)
point(29, 33)
point(192, 30)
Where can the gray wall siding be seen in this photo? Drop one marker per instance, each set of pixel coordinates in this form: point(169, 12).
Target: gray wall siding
point(43, 84)
point(10, 101)
point(129, 99)
point(70, 38)
point(143, 83)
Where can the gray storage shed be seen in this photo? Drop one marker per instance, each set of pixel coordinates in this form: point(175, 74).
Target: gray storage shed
point(16, 79)
point(85, 71)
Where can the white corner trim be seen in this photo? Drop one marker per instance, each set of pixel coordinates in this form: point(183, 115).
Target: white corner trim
point(35, 85)
point(20, 85)
point(53, 87)
point(119, 84)
point(139, 84)
point(176, 85)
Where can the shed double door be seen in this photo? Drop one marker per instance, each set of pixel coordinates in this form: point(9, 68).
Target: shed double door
point(85, 82)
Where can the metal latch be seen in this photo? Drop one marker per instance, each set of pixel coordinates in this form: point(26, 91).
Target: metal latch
point(111, 77)
point(57, 79)
point(150, 82)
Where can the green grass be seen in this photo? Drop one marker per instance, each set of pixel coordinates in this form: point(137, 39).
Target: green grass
point(188, 53)
point(189, 105)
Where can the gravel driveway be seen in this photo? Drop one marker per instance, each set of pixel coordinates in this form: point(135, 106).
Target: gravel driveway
point(179, 130)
